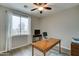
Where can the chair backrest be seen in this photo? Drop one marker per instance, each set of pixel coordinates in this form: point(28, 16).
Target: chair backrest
point(45, 35)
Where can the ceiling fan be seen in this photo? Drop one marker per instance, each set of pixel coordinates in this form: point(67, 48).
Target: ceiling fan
point(41, 7)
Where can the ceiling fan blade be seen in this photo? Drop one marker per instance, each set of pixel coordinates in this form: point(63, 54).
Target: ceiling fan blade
point(40, 3)
point(45, 3)
point(35, 3)
point(48, 8)
point(33, 9)
point(41, 12)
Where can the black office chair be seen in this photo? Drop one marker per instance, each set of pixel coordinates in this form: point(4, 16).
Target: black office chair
point(45, 35)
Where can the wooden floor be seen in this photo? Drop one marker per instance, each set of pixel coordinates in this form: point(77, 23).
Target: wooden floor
point(27, 51)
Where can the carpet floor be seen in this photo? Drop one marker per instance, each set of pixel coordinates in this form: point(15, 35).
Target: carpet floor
point(27, 51)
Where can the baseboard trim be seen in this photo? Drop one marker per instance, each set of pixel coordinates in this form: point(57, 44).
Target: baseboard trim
point(2, 51)
point(16, 48)
point(20, 46)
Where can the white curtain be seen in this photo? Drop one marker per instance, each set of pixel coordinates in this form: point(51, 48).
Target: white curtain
point(9, 28)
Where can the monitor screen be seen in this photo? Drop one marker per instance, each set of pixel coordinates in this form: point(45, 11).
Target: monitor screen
point(37, 32)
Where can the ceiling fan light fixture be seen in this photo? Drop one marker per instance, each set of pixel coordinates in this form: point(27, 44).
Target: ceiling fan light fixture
point(40, 8)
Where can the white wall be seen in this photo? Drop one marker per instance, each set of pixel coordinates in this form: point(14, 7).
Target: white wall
point(63, 25)
point(16, 41)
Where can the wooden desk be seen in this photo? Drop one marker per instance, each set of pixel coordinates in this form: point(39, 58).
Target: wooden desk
point(46, 45)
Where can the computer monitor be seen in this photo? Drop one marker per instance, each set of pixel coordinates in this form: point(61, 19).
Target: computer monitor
point(37, 32)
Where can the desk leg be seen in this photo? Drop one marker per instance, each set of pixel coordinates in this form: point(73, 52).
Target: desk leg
point(59, 46)
point(40, 37)
point(32, 50)
point(44, 53)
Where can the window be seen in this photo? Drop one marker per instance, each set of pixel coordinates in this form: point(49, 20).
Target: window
point(24, 25)
point(15, 25)
point(20, 25)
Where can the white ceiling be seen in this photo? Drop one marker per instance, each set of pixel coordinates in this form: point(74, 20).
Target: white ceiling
point(56, 7)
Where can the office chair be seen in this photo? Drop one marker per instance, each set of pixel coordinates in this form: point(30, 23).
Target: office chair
point(45, 35)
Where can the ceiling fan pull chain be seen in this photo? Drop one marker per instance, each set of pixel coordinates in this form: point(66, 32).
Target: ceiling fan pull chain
point(41, 12)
